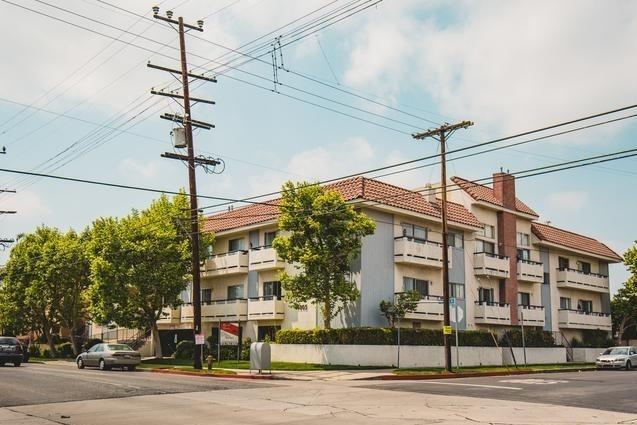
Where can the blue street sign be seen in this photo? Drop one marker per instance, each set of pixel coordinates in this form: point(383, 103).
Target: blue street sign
point(452, 301)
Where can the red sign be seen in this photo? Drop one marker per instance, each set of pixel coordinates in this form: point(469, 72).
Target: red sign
point(228, 333)
point(229, 327)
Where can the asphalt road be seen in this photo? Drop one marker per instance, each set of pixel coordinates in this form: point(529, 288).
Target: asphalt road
point(610, 390)
point(34, 383)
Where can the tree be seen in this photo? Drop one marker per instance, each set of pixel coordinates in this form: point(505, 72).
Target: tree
point(44, 282)
point(624, 303)
point(140, 264)
point(396, 309)
point(323, 236)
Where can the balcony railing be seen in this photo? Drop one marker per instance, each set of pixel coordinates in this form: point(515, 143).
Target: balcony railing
point(229, 263)
point(576, 279)
point(264, 258)
point(530, 271)
point(266, 308)
point(430, 307)
point(533, 315)
point(170, 316)
point(420, 252)
point(577, 319)
point(488, 264)
point(490, 313)
point(218, 310)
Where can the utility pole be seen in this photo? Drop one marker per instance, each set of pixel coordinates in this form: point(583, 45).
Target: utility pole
point(441, 134)
point(5, 242)
point(187, 121)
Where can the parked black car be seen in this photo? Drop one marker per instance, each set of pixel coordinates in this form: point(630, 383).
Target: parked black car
point(10, 351)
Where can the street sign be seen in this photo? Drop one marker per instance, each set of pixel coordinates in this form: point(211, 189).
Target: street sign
point(229, 333)
point(452, 314)
point(446, 330)
point(452, 301)
point(199, 339)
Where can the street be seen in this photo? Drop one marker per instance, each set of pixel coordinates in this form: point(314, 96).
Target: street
point(59, 393)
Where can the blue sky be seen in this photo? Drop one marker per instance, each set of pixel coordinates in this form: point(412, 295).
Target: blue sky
point(509, 66)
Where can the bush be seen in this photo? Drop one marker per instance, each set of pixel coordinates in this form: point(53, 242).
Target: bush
point(380, 336)
point(34, 350)
point(532, 338)
point(593, 338)
point(185, 350)
point(65, 350)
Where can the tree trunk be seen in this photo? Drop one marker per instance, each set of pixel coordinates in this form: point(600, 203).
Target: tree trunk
point(156, 341)
point(49, 340)
point(74, 341)
point(620, 330)
point(327, 313)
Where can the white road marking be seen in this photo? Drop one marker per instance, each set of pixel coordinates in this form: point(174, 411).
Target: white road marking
point(499, 387)
point(535, 381)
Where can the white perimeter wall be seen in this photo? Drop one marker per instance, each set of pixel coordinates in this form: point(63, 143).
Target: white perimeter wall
point(410, 355)
point(586, 355)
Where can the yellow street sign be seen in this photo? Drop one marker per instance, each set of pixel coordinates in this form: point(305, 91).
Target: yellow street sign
point(446, 330)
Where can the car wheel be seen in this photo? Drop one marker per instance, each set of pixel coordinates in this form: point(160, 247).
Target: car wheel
point(102, 365)
point(628, 365)
point(80, 363)
point(17, 364)
point(131, 368)
point(1, 364)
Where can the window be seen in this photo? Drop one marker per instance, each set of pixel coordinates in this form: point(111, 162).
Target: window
point(483, 246)
point(456, 290)
point(413, 231)
point(485, 295)
point(418, 285)
point(455, 239)
point(524, 254)
point(235, 245)
point(565, 303)
point(562, 263)
point(272, 290)
point(524, 239)
point(585, 306)
point(488, 231)
point(268, 237)
point(206, 295)
point(584, 267)
point(235, 292)
point(524, 298)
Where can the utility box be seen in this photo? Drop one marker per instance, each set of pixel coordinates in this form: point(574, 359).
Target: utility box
point(179, 137)
point(260, 357)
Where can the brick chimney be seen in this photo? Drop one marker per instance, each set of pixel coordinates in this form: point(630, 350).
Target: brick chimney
point(504, 189)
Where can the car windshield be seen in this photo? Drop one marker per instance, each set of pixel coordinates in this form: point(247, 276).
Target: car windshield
point(616, 350)
point(8, 340)
point(119, 347)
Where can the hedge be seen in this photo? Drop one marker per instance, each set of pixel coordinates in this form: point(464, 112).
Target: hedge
point(532, 338)
point(380, 336)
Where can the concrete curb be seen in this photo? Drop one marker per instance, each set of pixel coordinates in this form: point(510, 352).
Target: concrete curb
point(407, 377)
point(210, 375)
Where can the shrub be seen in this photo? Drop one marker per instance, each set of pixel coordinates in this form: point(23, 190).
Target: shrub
point(593, 338)
point(65, 350)
point(185, 350)
point(532, 338)
point(34, 350)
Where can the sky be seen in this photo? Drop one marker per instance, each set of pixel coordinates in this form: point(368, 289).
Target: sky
point(355, 79)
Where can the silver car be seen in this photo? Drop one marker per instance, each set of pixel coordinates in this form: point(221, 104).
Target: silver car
point(617, 358)
point(106, 356)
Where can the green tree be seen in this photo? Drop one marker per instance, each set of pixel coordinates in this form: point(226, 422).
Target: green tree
point(396, 309)
point(322, 237)
point(140, 264)
point(44, 282)
point(624, 308)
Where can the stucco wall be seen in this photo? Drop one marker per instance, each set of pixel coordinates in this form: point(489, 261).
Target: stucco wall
point(586, 355)
point(534, 355)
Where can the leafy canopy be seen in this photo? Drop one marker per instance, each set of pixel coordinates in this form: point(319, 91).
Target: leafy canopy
point(322, 236)
point(396, 309)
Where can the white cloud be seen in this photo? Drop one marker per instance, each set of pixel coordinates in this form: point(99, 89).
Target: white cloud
point(28, 205)
point(570, 201)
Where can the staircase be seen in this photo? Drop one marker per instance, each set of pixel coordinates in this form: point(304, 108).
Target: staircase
point(138, 339)
point(560, 339)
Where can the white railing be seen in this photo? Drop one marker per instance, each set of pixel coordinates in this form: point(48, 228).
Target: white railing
point(229, 263)
point(170, 315)
point(218, 310)
point(530, 271)
point(571, 278)
point(533, 315)
point(429, 308)
point(487, 264)
point(575, 319)
point(492, 313)
point(419, 252)
point(266, 308)
point(264, 258)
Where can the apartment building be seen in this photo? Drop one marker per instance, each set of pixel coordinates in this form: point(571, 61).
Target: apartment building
point(505, 266)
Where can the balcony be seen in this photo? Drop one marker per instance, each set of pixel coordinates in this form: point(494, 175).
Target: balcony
point(418, 252)
point(493, 265)
point(575, 279)
point(266, 308)
point(488, 313)
point(170, 316)
point(428, 308)
point(575, 319)
point(230, 263)
point(264, 258)
point(530, 271)
point(533, 315)
point(218, 310)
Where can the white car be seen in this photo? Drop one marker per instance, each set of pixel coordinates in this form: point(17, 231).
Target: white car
point(617, 358)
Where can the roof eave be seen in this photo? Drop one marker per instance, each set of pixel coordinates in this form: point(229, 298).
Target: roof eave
point(548, 244)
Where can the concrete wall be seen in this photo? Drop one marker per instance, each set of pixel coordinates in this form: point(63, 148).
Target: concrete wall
point(410, 355)
point(586, 355)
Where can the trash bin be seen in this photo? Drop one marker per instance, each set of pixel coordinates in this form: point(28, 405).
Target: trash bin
point(260, 357)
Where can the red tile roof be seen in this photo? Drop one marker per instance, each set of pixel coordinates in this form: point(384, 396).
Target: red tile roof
point(357, 188)
point(485, 193)
point(573, 240)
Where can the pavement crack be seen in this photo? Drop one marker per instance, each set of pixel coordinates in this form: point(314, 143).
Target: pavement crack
point(30, 415)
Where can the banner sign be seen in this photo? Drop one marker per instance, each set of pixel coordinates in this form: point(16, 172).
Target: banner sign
point(229, 333)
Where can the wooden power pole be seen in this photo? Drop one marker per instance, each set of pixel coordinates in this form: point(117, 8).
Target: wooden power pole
point(441, 134)
point(187, 121)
